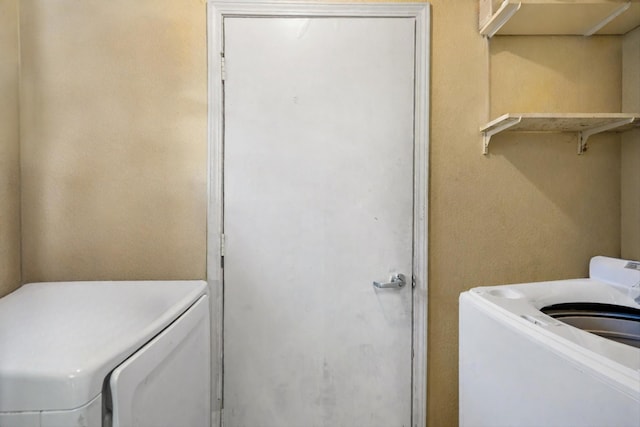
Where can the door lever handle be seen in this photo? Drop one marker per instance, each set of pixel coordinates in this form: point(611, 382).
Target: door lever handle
point(397, 281)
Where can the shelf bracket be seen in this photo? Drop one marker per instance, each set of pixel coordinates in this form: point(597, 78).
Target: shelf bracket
point(619, 11)
point(487, 134)
point(503, 14)
point(583, 136)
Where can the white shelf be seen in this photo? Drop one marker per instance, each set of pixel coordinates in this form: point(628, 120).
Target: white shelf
point(559, 17)
point(585, 125)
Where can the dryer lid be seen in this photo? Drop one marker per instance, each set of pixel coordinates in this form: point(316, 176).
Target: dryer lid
point(59, 340)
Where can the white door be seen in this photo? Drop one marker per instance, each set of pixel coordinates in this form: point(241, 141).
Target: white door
point(318, 184)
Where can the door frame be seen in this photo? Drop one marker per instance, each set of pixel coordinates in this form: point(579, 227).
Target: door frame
point(216, 12)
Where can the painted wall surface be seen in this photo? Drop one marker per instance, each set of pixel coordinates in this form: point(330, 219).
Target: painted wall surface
point(113, 136)
point(9, 148)
point(630, 155)
point(532, 209)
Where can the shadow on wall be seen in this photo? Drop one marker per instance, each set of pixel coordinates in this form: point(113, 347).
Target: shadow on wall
point(556, 74)
point(569, 193)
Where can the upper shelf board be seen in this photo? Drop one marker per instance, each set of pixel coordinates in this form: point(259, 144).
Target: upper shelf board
point(585, 124)
point(559, 17)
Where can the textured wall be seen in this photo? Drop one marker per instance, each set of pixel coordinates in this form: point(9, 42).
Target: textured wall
point(9, 149)
point(630, 174)
point(114, 125)
point(532, 209)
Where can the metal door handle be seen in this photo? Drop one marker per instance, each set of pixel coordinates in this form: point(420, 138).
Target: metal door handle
point(397, 281)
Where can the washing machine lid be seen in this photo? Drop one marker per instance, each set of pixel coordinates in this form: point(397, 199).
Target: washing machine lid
point(520, 306)
point(59, 340)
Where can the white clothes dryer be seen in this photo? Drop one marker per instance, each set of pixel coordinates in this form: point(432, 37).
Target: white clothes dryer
point(560, 353)
point(105, 354)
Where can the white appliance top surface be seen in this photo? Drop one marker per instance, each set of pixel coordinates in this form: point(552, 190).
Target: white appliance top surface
point(59, 340)
point(520, 305)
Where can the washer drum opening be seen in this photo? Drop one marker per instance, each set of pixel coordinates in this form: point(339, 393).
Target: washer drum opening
point(614, 322)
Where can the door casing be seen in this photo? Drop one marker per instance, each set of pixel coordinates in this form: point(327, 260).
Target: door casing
point(216, 12)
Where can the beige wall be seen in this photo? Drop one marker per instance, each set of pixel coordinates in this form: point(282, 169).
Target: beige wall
point(630, 175)
point(9, 149)
point(532, 209)
point(114, 125)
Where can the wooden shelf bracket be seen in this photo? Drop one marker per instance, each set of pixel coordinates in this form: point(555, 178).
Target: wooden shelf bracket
point(487, 134)
point(501, 17)
point(583, 136)
point(619, 11)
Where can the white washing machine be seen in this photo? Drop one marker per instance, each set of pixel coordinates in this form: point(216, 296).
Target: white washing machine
point(102, 354)
point(560, 353)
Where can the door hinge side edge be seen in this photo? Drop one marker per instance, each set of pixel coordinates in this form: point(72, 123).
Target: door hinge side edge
point(223, 71)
